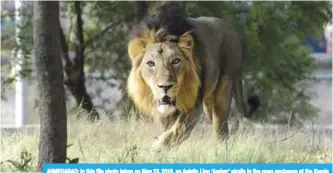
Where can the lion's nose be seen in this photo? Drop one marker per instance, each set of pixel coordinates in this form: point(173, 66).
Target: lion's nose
point(165, 87)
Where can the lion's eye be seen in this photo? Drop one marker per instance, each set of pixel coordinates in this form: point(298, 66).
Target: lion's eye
point(150, 63)
point(176, 61)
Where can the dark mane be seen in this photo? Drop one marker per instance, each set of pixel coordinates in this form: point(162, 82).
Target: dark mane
point(169, 16)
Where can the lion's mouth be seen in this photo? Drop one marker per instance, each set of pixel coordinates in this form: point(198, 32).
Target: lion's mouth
point(166, 100)
point(166, 105)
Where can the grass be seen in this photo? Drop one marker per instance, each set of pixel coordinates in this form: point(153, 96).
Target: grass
point(121, 141)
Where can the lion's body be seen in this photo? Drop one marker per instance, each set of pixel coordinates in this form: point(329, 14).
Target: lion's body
point(210, 75)
point(219, 52)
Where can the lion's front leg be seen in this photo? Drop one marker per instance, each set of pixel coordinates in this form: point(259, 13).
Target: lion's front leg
point(176, 129)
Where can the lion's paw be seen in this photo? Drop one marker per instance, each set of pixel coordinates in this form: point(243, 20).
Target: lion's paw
point(157, 145)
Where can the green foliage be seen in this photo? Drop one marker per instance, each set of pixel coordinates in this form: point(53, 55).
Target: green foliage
point(276, 59)
point(74, 160)
point(110, 50)
point(10, 46)
point(276, 62)
point(24, 164)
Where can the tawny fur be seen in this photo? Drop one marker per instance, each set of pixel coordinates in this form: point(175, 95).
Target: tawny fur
point(142, 94)
point(214, 52)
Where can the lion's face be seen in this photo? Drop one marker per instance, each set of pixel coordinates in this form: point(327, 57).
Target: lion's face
point(164, 75)
point(162, 68)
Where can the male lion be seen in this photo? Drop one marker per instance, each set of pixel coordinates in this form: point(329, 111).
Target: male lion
point(178, 63)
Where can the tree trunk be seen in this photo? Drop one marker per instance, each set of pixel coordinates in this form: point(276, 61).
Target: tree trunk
point(52, 106)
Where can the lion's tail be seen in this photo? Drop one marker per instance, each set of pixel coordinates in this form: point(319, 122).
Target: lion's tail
point(247, 106)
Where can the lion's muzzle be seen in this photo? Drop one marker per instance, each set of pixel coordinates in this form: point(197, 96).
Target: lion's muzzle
point(166, 105)
point(166, 87)
point(166, 100)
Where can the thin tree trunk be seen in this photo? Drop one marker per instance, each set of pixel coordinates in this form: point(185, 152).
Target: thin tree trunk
point(74, 71)
point(142, 9)
point(52, 106)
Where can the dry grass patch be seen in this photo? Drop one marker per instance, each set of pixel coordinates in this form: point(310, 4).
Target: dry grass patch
point(129, 141)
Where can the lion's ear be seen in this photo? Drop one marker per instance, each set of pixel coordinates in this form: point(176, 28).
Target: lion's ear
point(136, 47)
point(186, 41)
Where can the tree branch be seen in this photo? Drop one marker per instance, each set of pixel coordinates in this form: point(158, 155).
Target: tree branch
point(105, 30)
point(142, 9)
point(79, 34)
point(74, 71)
point(64, 48)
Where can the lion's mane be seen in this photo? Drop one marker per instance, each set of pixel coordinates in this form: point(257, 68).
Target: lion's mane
point(167, 23)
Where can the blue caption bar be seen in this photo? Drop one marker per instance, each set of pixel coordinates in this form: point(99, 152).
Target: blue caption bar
point(187, 168)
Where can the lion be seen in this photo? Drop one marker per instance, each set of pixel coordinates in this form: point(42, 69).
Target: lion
point(183, 65)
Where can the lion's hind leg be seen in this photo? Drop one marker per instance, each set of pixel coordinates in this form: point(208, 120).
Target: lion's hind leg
point(176, 129)
point(221, 110)
point(208, 107)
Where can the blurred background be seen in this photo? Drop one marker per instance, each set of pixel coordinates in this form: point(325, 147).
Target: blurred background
point(289, 62)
